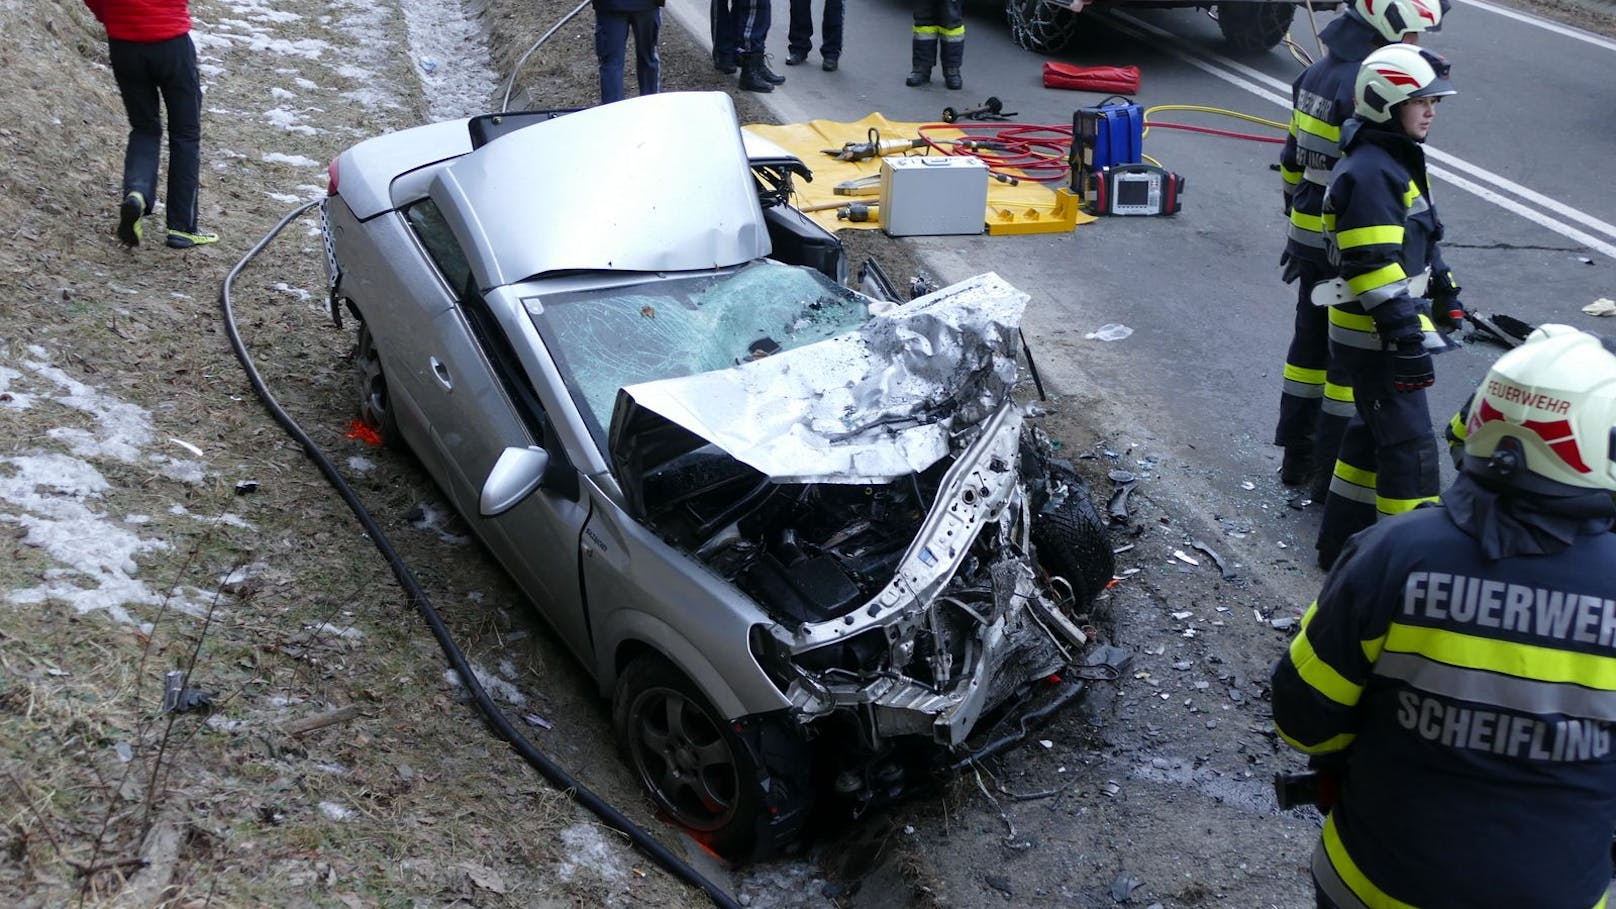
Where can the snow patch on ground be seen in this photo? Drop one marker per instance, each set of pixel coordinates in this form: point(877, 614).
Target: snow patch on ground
point(289, 120)
point(50, 494)
point(451, 54)
point(589, 849)
point(294, 160)
point(498, 688)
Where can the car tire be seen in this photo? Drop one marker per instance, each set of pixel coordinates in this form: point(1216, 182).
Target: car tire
point(688, 758)
point(1072, 542)
point(1040, 26)
point(1251, 28)
point(375, 403)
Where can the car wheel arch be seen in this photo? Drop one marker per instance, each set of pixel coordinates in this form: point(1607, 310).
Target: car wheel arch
point(629, 633)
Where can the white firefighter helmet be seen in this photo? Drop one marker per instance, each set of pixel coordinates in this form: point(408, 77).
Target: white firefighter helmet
point(1393, 19)
point(1394, 74)
point(1550, 404)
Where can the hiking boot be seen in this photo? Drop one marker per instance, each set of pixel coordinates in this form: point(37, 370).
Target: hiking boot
point(1296, 469)
point(130, 212)
point(751, 79)
point(830, 64)
point(179, 239)
point(769, 75)
point(951, 78)
point(918, 77)
point(796, 58)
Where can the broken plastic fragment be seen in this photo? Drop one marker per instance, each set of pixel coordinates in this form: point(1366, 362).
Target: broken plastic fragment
point(1110, 331)
point(1180, 555)
point(1604, 306)
point(179, 697)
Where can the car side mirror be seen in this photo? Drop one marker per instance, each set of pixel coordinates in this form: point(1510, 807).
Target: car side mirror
point(516, 474)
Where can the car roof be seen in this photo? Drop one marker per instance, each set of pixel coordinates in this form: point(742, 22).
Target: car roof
point(655, 183)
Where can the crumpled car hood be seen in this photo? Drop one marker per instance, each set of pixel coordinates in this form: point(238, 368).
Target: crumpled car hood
point(869, 406)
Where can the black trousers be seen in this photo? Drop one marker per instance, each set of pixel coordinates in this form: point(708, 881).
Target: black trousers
point(739, 26)
point(149, 73)
point(800, 38)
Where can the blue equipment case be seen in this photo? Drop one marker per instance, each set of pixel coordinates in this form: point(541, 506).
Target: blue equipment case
point(1105, 136)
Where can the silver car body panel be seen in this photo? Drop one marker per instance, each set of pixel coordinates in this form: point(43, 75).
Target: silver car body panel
point(367, 170)
point(622, 188)
point(912, 387)
point(863, 407)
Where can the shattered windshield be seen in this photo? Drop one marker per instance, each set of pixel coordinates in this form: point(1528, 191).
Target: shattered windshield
point(606, 338)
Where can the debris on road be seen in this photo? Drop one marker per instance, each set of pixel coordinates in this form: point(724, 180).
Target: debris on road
point(1111, 331)
point(1228, 573)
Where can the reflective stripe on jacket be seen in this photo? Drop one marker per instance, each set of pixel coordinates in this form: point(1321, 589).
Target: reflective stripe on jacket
point(1321, 100)
point(1474, 701)
point(1380, 227)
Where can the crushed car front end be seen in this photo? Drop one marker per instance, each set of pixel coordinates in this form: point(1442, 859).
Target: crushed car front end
point(875, 494)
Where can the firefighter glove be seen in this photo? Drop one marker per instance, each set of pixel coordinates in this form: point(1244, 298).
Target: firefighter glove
point(1411, 367)
point(1448, 313)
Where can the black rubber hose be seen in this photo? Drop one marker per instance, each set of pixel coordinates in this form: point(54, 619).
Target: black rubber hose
point(503, 728)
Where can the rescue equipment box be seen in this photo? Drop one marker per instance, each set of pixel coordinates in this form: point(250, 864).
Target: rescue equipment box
point(1104, 136)
point(933, 195)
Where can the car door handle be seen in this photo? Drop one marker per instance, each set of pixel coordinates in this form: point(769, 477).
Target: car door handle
point(441, 372)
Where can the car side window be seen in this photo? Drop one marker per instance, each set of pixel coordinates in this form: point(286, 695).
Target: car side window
point(441, 245)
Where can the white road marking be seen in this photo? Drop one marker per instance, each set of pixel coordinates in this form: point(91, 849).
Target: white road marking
point(1273, 90)
point(1545, 24)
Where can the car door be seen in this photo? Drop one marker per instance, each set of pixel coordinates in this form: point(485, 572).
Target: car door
point(477, 402)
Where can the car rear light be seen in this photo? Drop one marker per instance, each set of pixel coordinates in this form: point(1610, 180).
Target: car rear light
point(331, 178)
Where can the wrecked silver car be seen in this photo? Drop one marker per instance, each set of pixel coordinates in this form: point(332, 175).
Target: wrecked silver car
point(800, 536)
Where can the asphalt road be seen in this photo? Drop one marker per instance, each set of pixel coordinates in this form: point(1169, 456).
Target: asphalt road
point(1521, 157)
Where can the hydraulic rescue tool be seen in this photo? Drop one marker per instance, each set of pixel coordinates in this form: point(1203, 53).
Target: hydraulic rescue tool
point(858, 211)
point(873, 147)
point(991, 109)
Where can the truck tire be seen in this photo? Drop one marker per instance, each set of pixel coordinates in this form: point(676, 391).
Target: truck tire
point(1040, 26)
point(1251, 28)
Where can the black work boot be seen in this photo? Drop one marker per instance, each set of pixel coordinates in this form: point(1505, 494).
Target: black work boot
point(1297, 468)
point(724, 62)
point(923, 54)
point(751, 79)
point(769, 75)
point(953, 55)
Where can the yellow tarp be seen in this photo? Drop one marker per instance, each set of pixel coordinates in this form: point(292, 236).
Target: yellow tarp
point(1026, 203)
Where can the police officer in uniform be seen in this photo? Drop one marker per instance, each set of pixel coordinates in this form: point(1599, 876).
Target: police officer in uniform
point(1381, 230)
point(937, 22)
point(1460, 661)
point(1316, 402)
point(740, 30)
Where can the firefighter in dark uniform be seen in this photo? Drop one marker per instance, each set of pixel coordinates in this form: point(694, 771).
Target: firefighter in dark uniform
point(1316, 402)
point(1460, 662)
point(1381, 231)
point(938, 22)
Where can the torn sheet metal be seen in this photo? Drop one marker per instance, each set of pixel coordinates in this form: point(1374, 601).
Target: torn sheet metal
point(870, 406)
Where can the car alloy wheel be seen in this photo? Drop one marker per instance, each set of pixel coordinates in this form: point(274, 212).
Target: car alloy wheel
point(686, 756)
point(374, 403)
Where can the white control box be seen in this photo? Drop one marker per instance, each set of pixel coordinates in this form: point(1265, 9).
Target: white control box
point(933, 195)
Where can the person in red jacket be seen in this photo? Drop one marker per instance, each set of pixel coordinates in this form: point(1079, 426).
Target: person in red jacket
point(149, 43)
